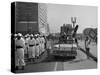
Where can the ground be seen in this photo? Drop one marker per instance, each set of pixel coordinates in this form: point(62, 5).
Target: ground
point(49, 63)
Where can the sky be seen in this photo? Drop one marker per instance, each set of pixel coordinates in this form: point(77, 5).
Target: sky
point(58, 14)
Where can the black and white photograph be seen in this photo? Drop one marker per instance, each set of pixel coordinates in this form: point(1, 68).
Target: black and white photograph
point(48, 37)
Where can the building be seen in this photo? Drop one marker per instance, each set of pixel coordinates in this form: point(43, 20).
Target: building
point(42, 17)
point(30, 17)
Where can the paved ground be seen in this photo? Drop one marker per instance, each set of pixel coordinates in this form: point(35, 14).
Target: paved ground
point(93, 47)
point(49, 63)
point(81, 62)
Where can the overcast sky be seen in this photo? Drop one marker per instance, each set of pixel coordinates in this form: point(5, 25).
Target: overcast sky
point(60, 14)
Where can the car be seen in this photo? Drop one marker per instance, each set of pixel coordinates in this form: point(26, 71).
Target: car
point(68, 49)
point(65, 50)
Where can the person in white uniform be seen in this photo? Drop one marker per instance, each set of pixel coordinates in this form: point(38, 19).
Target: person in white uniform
point(37, 46)
point(43, 44)
point(40, 45)
point(31, 50)
point(19, 53)
point(26, 45)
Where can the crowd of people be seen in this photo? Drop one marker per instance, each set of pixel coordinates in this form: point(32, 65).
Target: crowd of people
point(29, 45)
point(32, 46)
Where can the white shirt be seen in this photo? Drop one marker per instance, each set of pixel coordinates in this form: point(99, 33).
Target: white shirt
point(31, 41)
point(20, 42)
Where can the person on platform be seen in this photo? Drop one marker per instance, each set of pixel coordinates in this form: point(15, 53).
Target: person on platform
point(42, 44)
point(37, 45)
point(31, 50)
point(19, 53)
point(26, 45)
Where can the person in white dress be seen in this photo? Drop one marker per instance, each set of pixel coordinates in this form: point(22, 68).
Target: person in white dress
point(37, 46)
point(40, 45)
point(43, 43)
point(26, 45)
point(31, 49)
point(19, 53)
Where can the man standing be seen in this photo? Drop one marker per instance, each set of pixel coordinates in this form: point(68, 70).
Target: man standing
point(19, 53)
point(87, 42)
point(76, 41)
point(37, 46)
point(48, 45)
point(42, 44)
point(31, 50)
point(26, 45)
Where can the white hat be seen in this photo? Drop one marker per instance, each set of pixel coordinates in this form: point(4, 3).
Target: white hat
point(31, 35)
point(15, 35)
point(19, 34)
point(27, 34)
point(36, 35)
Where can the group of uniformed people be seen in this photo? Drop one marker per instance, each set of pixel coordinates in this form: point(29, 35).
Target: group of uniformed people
point(31, 45)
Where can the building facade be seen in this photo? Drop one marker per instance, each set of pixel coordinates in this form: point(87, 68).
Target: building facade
point(42, 17)
point(30, 17)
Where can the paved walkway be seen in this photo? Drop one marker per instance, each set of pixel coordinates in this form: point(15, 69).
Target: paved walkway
point(81, 62)
point(93, 49)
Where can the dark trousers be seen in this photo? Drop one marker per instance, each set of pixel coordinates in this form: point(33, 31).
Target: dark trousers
point(87, 52)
